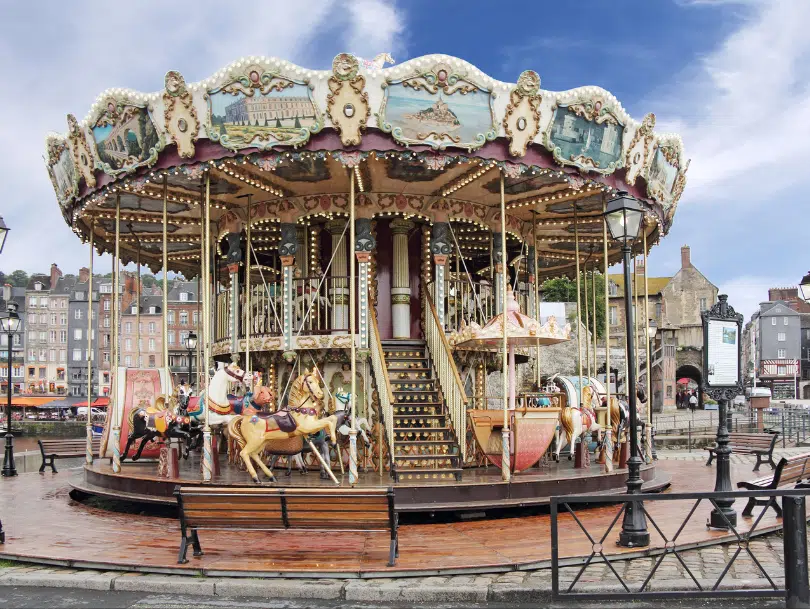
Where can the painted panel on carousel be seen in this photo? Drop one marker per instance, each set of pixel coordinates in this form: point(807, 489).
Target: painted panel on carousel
point(262, 109)
point(125, 137)
point(667, 176)
point(82, 157)
point(438, 108)
point(586, 134)
point(62, 170)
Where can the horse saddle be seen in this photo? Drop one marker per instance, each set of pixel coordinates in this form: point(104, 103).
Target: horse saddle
point(282, 420)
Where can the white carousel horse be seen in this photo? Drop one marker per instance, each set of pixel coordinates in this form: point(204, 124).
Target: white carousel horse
point(305, 302)
point(576, 422)
point(222, 406)
point(378, 62)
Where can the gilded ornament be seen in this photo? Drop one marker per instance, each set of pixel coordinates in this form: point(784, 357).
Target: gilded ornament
point(180, 115)
point(77, 140)
point(347, 91)
point(522, 117)
point(638, 161)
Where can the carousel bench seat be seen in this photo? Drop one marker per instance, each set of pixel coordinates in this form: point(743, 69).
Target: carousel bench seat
point(278, 509)
point(790, 470)
point(759, 444)
point(64, 448)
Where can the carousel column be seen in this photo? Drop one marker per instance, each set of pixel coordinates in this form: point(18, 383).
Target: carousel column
point(352, 328)
point(339, 292)
point(507, 354)
point(208, 454)
point(497, 259)
point(364, 244)
point(233, 319)
point(401, 290)
point(89, 427)
point(117, 414)
point(440, 247)
point(286, 251)
point(301, 262)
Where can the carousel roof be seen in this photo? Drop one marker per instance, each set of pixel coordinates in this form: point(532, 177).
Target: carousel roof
point(427, 139)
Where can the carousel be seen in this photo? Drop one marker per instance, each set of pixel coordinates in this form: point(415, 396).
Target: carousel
point(369, 243)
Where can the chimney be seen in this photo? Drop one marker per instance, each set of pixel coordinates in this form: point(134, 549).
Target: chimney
point(55, 275)
point(84, 274)
point(686, 257)
point(7, 292)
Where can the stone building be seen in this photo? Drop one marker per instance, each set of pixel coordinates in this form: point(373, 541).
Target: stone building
point(128, 290)
point(183, 317)
point(776, 338)
point(144, 348)
point(78, 353)
point(16, 295)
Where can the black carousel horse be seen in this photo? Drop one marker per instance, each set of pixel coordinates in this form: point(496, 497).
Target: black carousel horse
point(152, 422)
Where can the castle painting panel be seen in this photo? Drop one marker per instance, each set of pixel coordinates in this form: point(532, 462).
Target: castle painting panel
point(128, 141)
point(662, 174)
point(262, 120)
point(417, 116)
point(587, 144)
point(63, 176)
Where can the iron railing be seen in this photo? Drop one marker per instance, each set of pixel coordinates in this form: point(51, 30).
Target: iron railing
point(321, 305)
point(446, 372)
point(383, 382)
point(663, 545)
point(266, 310)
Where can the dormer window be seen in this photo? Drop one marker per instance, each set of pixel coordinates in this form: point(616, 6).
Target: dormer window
point(134, 309)
point(183, 297)
point(37, 286)
point(152, 310)
point(613, 289)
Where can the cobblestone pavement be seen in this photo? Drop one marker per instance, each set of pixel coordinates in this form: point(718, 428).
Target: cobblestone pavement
point(698, 454)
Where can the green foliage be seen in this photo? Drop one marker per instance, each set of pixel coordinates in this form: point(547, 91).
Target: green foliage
point(148, 280)
point(563, 289)
point(18, 278)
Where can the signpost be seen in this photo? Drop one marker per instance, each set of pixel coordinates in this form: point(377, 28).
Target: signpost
point(722, 331)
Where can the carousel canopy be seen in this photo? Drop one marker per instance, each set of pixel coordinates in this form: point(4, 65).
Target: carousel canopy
point(427, 139)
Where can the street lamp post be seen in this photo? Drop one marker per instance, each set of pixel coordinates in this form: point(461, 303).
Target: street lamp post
point(9, 325)
point(652, 329)
point(804, 288)
point(623, 216)
point(3, 233)
point(191, 345)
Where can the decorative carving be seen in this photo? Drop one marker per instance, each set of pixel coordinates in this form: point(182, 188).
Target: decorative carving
point(234, 248)
point(243, 114)
point(288, 244)
point(62, 170)
point(522, 119)
point(126, 138)
point(639, 150)
point(440, 240)
point(497, 253)
point(180, 115)
point(347, 102)
point(442, 121)
point(82, 157)
point(363, 239)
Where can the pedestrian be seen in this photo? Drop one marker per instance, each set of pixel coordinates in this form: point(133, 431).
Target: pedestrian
point(693, 402)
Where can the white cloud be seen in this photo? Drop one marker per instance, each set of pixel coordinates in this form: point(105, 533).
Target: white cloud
point(58, 60)
point(747, 291)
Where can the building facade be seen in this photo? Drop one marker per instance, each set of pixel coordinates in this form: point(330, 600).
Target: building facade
point(776, 348)
point(16, 295)
point(78, 352)
point(141, 341)
point(183, 317)
point(37, 296)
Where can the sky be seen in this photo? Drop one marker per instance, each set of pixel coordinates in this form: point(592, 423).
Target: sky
point(731, 76)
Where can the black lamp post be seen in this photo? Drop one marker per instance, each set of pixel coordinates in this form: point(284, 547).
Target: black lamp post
point(652, 330)
point(9, 325)
point(191, 345)
point(624, 216)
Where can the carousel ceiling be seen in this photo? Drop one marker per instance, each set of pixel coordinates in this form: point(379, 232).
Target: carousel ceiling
point(433, 139)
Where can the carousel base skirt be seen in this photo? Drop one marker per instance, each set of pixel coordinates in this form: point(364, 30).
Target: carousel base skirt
point(480, 489)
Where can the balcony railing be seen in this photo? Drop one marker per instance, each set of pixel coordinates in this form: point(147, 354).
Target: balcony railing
point(320, 307)
point(467, 301)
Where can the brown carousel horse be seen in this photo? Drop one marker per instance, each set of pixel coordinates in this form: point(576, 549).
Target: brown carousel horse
point(253, 432)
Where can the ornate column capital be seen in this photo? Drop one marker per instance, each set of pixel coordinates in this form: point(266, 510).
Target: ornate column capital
point(335, 227)
point(288, 245)
point(401, 226)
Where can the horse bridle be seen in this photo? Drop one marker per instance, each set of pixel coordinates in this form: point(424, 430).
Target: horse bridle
point(311, 395)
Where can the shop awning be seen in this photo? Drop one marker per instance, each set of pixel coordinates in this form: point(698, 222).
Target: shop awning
point(99, 403)
point(61, 403)
point(31, 401)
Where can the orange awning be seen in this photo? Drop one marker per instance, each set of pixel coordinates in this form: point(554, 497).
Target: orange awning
point(101, 402)
point(30, 401)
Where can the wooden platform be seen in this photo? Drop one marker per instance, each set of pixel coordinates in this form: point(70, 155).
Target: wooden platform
point(44, 525)
point(480, 489)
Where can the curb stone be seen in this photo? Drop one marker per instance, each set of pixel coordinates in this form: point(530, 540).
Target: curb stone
point(177, 584)
point(280, 588)
point(54, 579)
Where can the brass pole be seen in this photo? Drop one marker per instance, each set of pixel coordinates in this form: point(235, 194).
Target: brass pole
point(138, 308)
point(536, 298)
point(116, 435)
point(607, 308)
point(636, 311)
point(593, 310)
point(208, 457)
point(647, 331)
point(579, 312)
point(165, 285)
point(352, 329)
point(587, 321)
point(89, 426)
point(248, 304)
point(506, 469)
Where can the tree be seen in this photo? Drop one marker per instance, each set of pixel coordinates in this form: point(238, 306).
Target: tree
point(18, 279)
point(563, 289)
point(148, 280)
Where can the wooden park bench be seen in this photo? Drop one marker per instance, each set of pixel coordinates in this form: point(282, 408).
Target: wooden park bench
point(64, 448)
point(277, 509)
point(759, 444)
point(793, 470)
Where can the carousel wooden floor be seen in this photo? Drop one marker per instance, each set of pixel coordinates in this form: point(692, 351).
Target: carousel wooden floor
point(43, 524)
point(481, 488)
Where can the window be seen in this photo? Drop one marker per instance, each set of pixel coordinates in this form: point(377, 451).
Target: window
point(106, 322)
point(38, 286)
point(43, 318)
point(183, 297)
point(128, 361)
point(170, 318)
point(106, 341)
point(77, 314)
point(77, 355)
point(134, 309)
point(151, 327)
point(106, 288)
point(52, 335)
point(53, 319)
point(807, 334)
point(195, 317)
point(106, 358)
point(32, 301)
point(140, 327)
point(32, 335)
point(128, 344)
point(52, 354)
point(780, 337)
point(140, 344)
point(79, 295)
point(32, 318)
point(63, 320)
point(43, 336)
point(128, 327)
point(171, 338)
point(17, 340)
point(62, 355)
point(63, 336)
point(785, 321)
point(151, 344)
point(43, 301)
point(702, 304)
point(614, 316)
point(77, 334)
point(152, 310)
point(781, 353)
point(773, 321)
point(151, 361)
point(781, 370)
point(183, 318)
point(32, 357)
point(43, 373)
point(183, 338)
point(106, 305)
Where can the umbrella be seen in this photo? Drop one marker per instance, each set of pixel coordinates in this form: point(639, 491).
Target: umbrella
point(521, 331)
point(684, 381)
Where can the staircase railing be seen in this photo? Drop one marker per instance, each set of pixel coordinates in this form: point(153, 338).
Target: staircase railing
point(383, 382)
point(452, 388)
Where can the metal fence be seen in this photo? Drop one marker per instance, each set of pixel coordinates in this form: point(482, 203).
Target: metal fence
point(663, 545)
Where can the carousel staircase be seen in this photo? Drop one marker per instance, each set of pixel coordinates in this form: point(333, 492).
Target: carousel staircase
point(425, 446)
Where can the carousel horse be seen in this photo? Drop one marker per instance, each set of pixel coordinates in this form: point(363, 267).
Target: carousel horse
point(319, 441)
point(222, 406)
point(619, 414)
point(378, 62)
point(253, 402)
point(576, 422)
point(307, 300)
point(166, 419)
point(253, 432)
